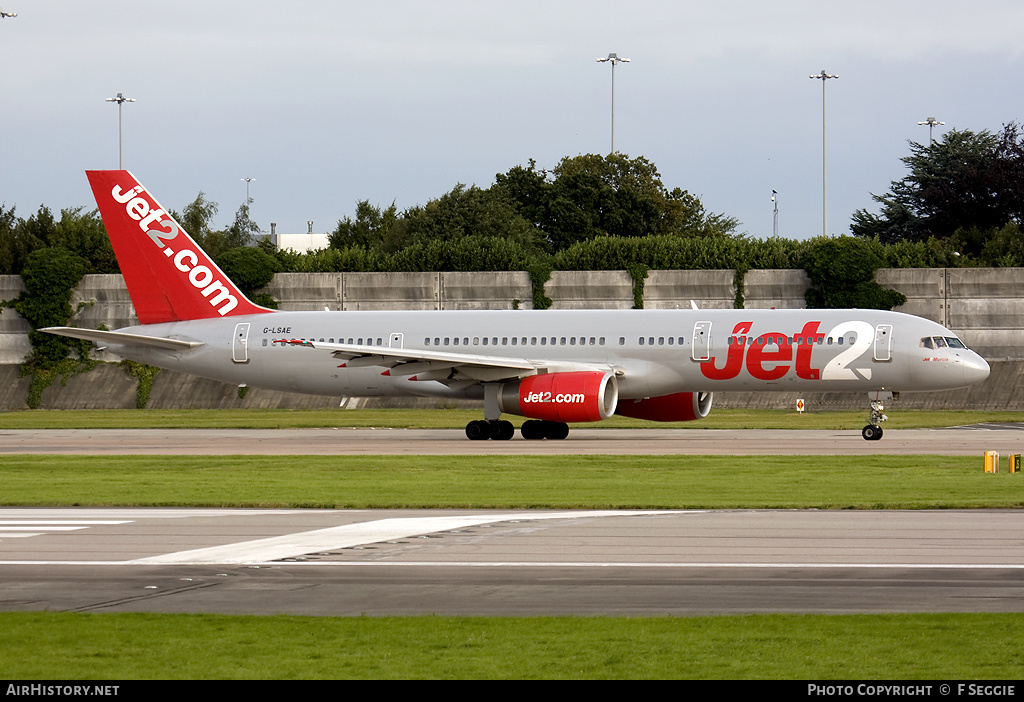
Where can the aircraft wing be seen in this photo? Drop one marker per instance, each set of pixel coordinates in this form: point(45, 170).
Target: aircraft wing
point(104, 338)
point(423, 364)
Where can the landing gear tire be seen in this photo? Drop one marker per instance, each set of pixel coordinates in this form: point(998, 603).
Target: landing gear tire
point(478, 430)
point(872, 432)
point(481, 430)
point(502, 430)
point(540, 429)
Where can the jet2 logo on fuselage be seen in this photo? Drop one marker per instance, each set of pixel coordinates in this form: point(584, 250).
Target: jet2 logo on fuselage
point(769, 355)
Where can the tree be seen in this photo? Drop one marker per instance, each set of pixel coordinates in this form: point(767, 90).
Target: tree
point(372, 228)
point(842, 272)
point(14, 245)
point(464, 212)
point(243, 231)
point(250, 268)
point(50, 276)
point(588, 196)
point(85, 235)
point(965, 180)
point(196, 217)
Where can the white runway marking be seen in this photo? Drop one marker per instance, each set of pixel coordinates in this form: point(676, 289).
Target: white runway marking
point(349, 535)
point(25, 528)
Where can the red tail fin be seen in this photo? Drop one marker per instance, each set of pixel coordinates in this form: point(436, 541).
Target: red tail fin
point(169, 277)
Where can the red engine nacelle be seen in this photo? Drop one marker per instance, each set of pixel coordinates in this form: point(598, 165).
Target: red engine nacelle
point(582, 396)
point(678, 407)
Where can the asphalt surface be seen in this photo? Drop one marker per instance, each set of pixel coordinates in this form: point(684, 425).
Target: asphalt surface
point(386, 562)
point(966, 441)
point(459, 562)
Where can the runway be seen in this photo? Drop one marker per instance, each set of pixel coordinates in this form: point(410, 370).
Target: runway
point(967, 441)
point(526, 562)
point(501, 563)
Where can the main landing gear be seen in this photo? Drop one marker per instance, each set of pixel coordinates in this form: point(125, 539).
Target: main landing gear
point(492, 427)
point(501, 430)
point(498, 429)
point(873, 432)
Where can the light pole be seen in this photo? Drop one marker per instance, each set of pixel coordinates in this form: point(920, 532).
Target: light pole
point(613, 59)
point(931, 122)
point(823, 77)
point(120, 100)
point(248, 200)
point(775, 215)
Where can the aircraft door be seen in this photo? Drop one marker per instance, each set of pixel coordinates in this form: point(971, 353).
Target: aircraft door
point(396, 341)
point(701, 341)
point(883, 342)
point(240, 343)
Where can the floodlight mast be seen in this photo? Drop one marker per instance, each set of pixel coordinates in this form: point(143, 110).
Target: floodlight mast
point(120, 100)
point(931, 122)
point(613, 59)
point(823, 77)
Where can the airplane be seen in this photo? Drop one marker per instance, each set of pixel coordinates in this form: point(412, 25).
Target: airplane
point(553, 367)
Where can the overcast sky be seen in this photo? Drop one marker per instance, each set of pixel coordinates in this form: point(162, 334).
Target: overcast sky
point(325, 103)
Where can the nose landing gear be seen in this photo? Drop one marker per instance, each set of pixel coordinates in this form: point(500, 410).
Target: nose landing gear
point(873, 432)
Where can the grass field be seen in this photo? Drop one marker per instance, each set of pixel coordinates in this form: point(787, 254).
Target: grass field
point(765, 647)
point(69, 646)
point(563, 482)
point(457, 419)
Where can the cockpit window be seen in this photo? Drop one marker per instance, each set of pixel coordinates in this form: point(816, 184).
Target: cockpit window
point(941, 342)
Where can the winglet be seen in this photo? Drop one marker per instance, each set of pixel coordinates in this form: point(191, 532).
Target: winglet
point(169, 278)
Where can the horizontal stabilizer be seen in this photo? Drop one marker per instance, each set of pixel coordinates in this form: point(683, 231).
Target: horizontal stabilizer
point(105, 338)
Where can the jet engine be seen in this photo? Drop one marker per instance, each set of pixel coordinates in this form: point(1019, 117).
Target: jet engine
point(678, 407)
point(579, 396)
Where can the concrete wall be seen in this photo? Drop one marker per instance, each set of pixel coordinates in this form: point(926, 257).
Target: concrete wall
point(14, 345)
point(675, 289)
point(401, 291)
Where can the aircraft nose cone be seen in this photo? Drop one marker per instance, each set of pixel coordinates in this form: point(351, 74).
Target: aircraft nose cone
point(976, 369)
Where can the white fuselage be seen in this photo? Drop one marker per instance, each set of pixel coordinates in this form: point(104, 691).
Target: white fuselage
point(652, 352)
